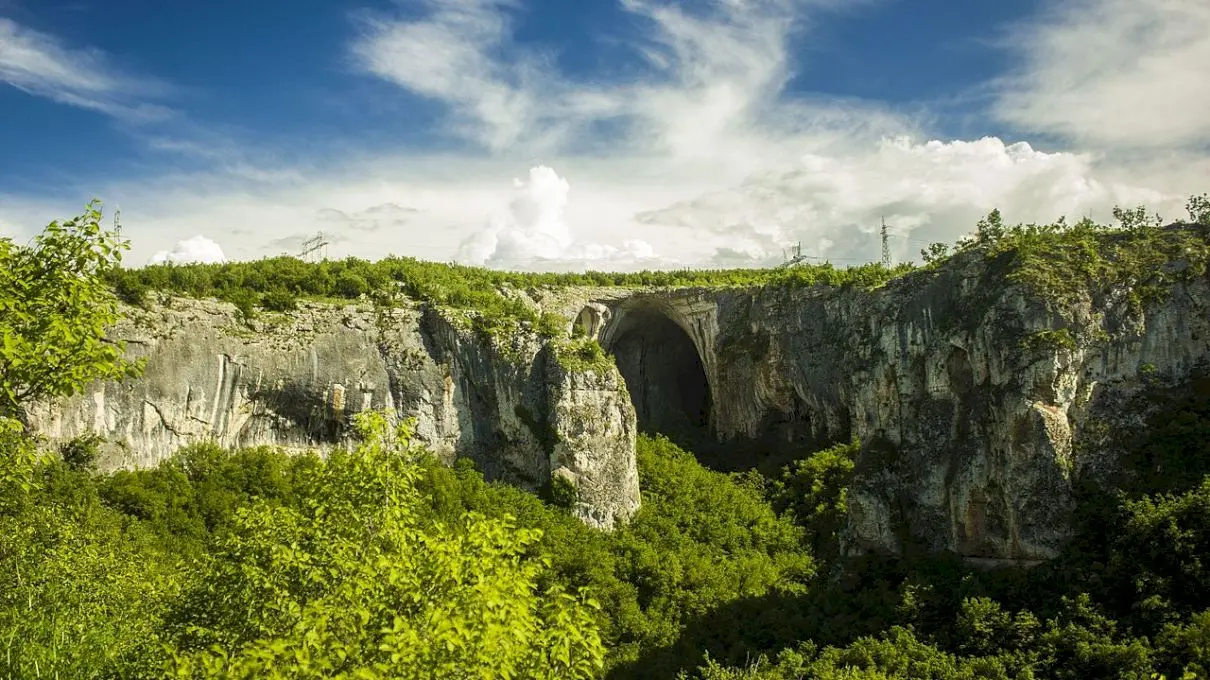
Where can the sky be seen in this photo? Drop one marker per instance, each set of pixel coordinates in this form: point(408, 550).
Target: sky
point(594, 134)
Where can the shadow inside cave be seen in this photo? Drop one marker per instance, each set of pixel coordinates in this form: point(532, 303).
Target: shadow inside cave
point(672, 396)
point(665, 377)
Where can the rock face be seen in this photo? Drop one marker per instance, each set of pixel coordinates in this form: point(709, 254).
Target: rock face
point(979, 404)
point(295, 380)
point(966, 392)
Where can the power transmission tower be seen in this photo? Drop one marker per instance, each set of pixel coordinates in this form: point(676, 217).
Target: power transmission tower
point(311, 246)
point(886, 246)
point(798, 257)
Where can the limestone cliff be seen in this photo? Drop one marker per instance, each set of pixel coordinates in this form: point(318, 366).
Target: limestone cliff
point(966, 390)
point(980, 402)
point(295, 380)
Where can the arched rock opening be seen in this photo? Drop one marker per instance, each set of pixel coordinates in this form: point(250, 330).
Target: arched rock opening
point(664, 374)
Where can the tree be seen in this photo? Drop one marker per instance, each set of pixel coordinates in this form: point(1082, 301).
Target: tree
point(1199, 209)
point(55, 306)
point(1136, 218)
point(936, 252)
point(351, 582)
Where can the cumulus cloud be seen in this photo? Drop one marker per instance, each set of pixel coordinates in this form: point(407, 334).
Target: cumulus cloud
point(533, 233)
point(198, 249)
point(934, 191)
point(1120, 73)
point(43, 66)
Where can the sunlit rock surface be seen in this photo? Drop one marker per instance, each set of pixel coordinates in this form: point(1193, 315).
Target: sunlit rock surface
point(295, 381)
point(975, 423)
point(967, 416)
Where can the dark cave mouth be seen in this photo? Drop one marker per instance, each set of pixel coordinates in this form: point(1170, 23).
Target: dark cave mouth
point(665, 377)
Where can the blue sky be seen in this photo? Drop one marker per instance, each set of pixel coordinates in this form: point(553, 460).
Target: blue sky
point(598, 133)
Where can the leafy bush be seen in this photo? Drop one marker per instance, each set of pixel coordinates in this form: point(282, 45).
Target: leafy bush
point(54, 311)
point(132, 291)
point(814, 490)
point(81, 452)
point(279, 301)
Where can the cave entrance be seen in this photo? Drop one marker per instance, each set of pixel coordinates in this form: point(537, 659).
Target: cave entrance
point(664, 375)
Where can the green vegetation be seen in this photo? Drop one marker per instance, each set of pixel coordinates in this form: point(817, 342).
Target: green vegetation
point(227, 564)
point(380, 562)
point(54, 309)
point(456, 286)
point(1049, 340)
point(489, 299)
point(1060, 261)
point(581, 354)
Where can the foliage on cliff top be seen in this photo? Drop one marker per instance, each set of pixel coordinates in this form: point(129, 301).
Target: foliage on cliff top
point(1056, 259)
point(1060, 261)
point(492, 297)
point(454, 285)
point(581, 354)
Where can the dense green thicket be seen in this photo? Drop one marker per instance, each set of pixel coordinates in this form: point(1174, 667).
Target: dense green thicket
point(219, 548)
point(448, 284)
point(213, 547)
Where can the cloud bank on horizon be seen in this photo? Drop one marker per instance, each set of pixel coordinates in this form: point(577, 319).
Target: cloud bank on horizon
point(699, 147)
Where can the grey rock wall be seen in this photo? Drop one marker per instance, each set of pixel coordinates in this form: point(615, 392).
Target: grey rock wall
point(968, 413)
point(295, 380)
point(967, 422)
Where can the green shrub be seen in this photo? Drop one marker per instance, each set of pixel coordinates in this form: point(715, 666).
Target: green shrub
point(81, 452)
point(279, 301)
point(132, 291)
point(350, 285)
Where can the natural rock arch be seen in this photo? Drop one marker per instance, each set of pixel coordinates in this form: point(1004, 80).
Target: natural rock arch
point(664, 373)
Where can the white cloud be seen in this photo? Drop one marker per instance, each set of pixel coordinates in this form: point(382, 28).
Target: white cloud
point(707, 162)
point(1113, 73)
point(711, 88)
point(445, 57)
point(533, 233)
point(42, 65)
point(933, 191)
point(198, 249)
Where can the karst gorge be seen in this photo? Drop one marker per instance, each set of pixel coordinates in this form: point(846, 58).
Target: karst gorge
point(991, 465)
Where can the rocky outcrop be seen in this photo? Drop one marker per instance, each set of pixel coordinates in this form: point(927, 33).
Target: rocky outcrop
point(980, 405)
point(295, 380)
point(967, 392)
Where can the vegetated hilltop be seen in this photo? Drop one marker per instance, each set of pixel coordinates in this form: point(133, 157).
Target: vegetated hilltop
point(381, 563)
point(1054, 259)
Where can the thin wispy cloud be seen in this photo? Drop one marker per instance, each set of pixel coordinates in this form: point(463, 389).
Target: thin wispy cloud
point(42, 65)
point(1113, 73)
